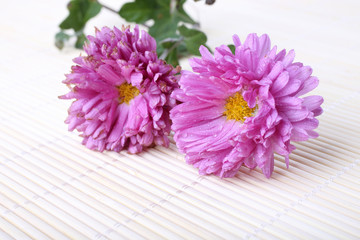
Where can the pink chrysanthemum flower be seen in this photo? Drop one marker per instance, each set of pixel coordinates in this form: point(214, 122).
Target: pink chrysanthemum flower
point(240, 109)
point(121, 91)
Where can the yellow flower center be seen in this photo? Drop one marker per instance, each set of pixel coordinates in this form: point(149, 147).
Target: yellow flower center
point(127, 92)
point(237, 108)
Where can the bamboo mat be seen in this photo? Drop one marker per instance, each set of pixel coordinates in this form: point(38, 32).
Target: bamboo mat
point(52, 187)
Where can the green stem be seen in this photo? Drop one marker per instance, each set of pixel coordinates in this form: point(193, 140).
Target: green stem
point(108, 8)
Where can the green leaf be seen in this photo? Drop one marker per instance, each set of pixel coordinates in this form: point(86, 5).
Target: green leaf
point(159, 50)
point(93, 8)
point(165, 4)
point(166, 45)
point(139, 11)
point(181, 14)
point(169, 42)
point(164, 23)
point(172, 58)
point(182, 51)
point(193, 39)
point(60, 39)
point(81, 38)
point(80, 11)
point(232, 48)
point(173, 41)
point(164, 28)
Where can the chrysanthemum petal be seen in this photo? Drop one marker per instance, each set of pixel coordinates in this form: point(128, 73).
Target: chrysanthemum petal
point(290, 88)
point(268, 82)
point(280, 82)
point(108, 75)
point(308, 85)
point(113, 116)
point(205, 53)
point(312, 102)
point(288, 59)
point(236, 40)
point(265, 44)
point(118, 128)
